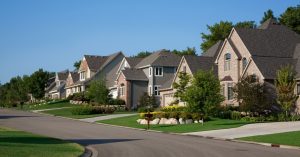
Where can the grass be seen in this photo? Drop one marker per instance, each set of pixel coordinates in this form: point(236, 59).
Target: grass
point(46, 106)
point(66, 112)
point(214, 124)
point(19, 143)
point(287, 138)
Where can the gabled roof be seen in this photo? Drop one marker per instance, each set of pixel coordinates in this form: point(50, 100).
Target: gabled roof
point(196, 63)
point(214, 50)
point(63, 75)
point(134, 74)
point(268, 24)
point(160, 58)
point(226, 78)
point(275, 41)
point(95, 62)
point(133, 61)
point(75, 76)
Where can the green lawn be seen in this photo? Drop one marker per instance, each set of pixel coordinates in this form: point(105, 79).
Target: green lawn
point(19, 143)
point(214, 124)
point(46, 106)
point(66, 112)
point(287, 138)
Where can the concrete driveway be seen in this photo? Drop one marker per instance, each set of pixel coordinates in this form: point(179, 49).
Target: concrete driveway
point(112, 141)
point(251, 130)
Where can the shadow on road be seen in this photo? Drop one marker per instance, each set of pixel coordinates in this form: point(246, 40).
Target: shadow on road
point(101, 141)
point(12, 116)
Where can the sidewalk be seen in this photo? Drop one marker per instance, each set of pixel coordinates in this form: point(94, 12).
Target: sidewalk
point(251, 130)
point(94, 119)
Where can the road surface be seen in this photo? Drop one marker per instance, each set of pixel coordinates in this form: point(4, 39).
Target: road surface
point(112, 141)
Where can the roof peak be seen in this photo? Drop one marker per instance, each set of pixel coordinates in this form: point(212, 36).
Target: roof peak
point(268, 23)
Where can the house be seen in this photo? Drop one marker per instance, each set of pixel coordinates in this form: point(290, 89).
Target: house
point(95, 67)
point(259, 52)
point(148, 76)
point(126, 63)
point(73, 77)
point(191, 64)
point(56, 89)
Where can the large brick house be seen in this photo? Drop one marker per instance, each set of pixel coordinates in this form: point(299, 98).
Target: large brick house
point(149, 75)
point(259, 52)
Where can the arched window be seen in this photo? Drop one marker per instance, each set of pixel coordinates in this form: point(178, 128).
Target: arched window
point(227, 59)
point(244, 62)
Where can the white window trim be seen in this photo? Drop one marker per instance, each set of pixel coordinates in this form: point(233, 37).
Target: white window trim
point(162, 71)
point(150, 71)
point(150, 91)
point(82, 75)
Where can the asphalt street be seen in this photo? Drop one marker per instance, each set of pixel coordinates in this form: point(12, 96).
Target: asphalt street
point(112, 141)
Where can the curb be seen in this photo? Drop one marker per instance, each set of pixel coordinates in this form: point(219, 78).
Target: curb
point(89, 152)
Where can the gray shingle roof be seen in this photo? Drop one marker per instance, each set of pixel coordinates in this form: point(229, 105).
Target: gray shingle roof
point(75, 76)
point(268, 24)
point(226, 78)
point(160, 58)
point(63, 75)
point(134, 74)
point(214, 50)
point(201, 62)
point(133, 61)
point(95, 62)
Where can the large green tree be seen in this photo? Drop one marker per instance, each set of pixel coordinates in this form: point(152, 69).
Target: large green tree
point(285, 84)
point(97, 92)
point(204, 93)
point(37, 83)
point(187, 51)
point(77, 64)
point(291, 18)
point(220, 31)
point(252, 95)
point(181, 85)
point(268, 14)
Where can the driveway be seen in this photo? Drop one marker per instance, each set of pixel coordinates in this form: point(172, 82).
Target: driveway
point(251, 130)
point(112, 141)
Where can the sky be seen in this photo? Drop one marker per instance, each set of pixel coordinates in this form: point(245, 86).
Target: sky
point(53, 34)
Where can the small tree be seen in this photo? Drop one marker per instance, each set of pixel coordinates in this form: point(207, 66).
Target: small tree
point(181, 86)
point(77, 64)
point(147, 101)
point(252, 95)
point(285, 85)
point(98, 92)
point(204, 93)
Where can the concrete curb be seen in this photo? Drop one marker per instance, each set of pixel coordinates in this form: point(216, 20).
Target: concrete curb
point(89, 152)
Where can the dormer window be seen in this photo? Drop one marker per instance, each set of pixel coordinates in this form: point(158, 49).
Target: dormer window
point(82, 76)
point(227, 59)
point(158, 71)
point(244, 62)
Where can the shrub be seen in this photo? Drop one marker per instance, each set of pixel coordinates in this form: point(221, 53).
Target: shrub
point(145, 109)
point(116, 102)
point(224, 114)
point(174, 115)
point(173, 109)
point(235, 115)
point(79, 97)
point(197, 116)
point(82, 110)
point(185, 115)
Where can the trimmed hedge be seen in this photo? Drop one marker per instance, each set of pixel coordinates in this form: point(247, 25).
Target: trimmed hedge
point(87, 110)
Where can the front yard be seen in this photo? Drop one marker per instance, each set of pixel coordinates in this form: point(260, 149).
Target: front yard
point(287, 138)
point(213, 124)
point(15, 143)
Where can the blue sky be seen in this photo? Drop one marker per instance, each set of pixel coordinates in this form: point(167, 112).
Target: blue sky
point(53, 34)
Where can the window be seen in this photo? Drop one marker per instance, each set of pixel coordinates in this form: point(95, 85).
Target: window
point(227, 61)
point(298, 89)
point(244, 62)
point(184, 69)
point(150, 90)
point(158, 71)
point(122, 90)
point(82, 76)
point(150, 71)
point(223, 90)
point(229, 91)
point(156, 90)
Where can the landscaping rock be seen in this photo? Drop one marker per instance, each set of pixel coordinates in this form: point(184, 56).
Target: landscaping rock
point(163, 121)
point(188, 121)
point(139, 121)
point(181, 121)
point(144, 121)
point(173, 121)
point(155, 121)
point(196, 121)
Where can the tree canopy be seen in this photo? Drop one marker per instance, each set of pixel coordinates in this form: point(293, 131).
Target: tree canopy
point(267, 14)
point(187, 51)
point(220, 31)
point(142, 54)
point(98, 92)
point(77, 64)
point(291, 18)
